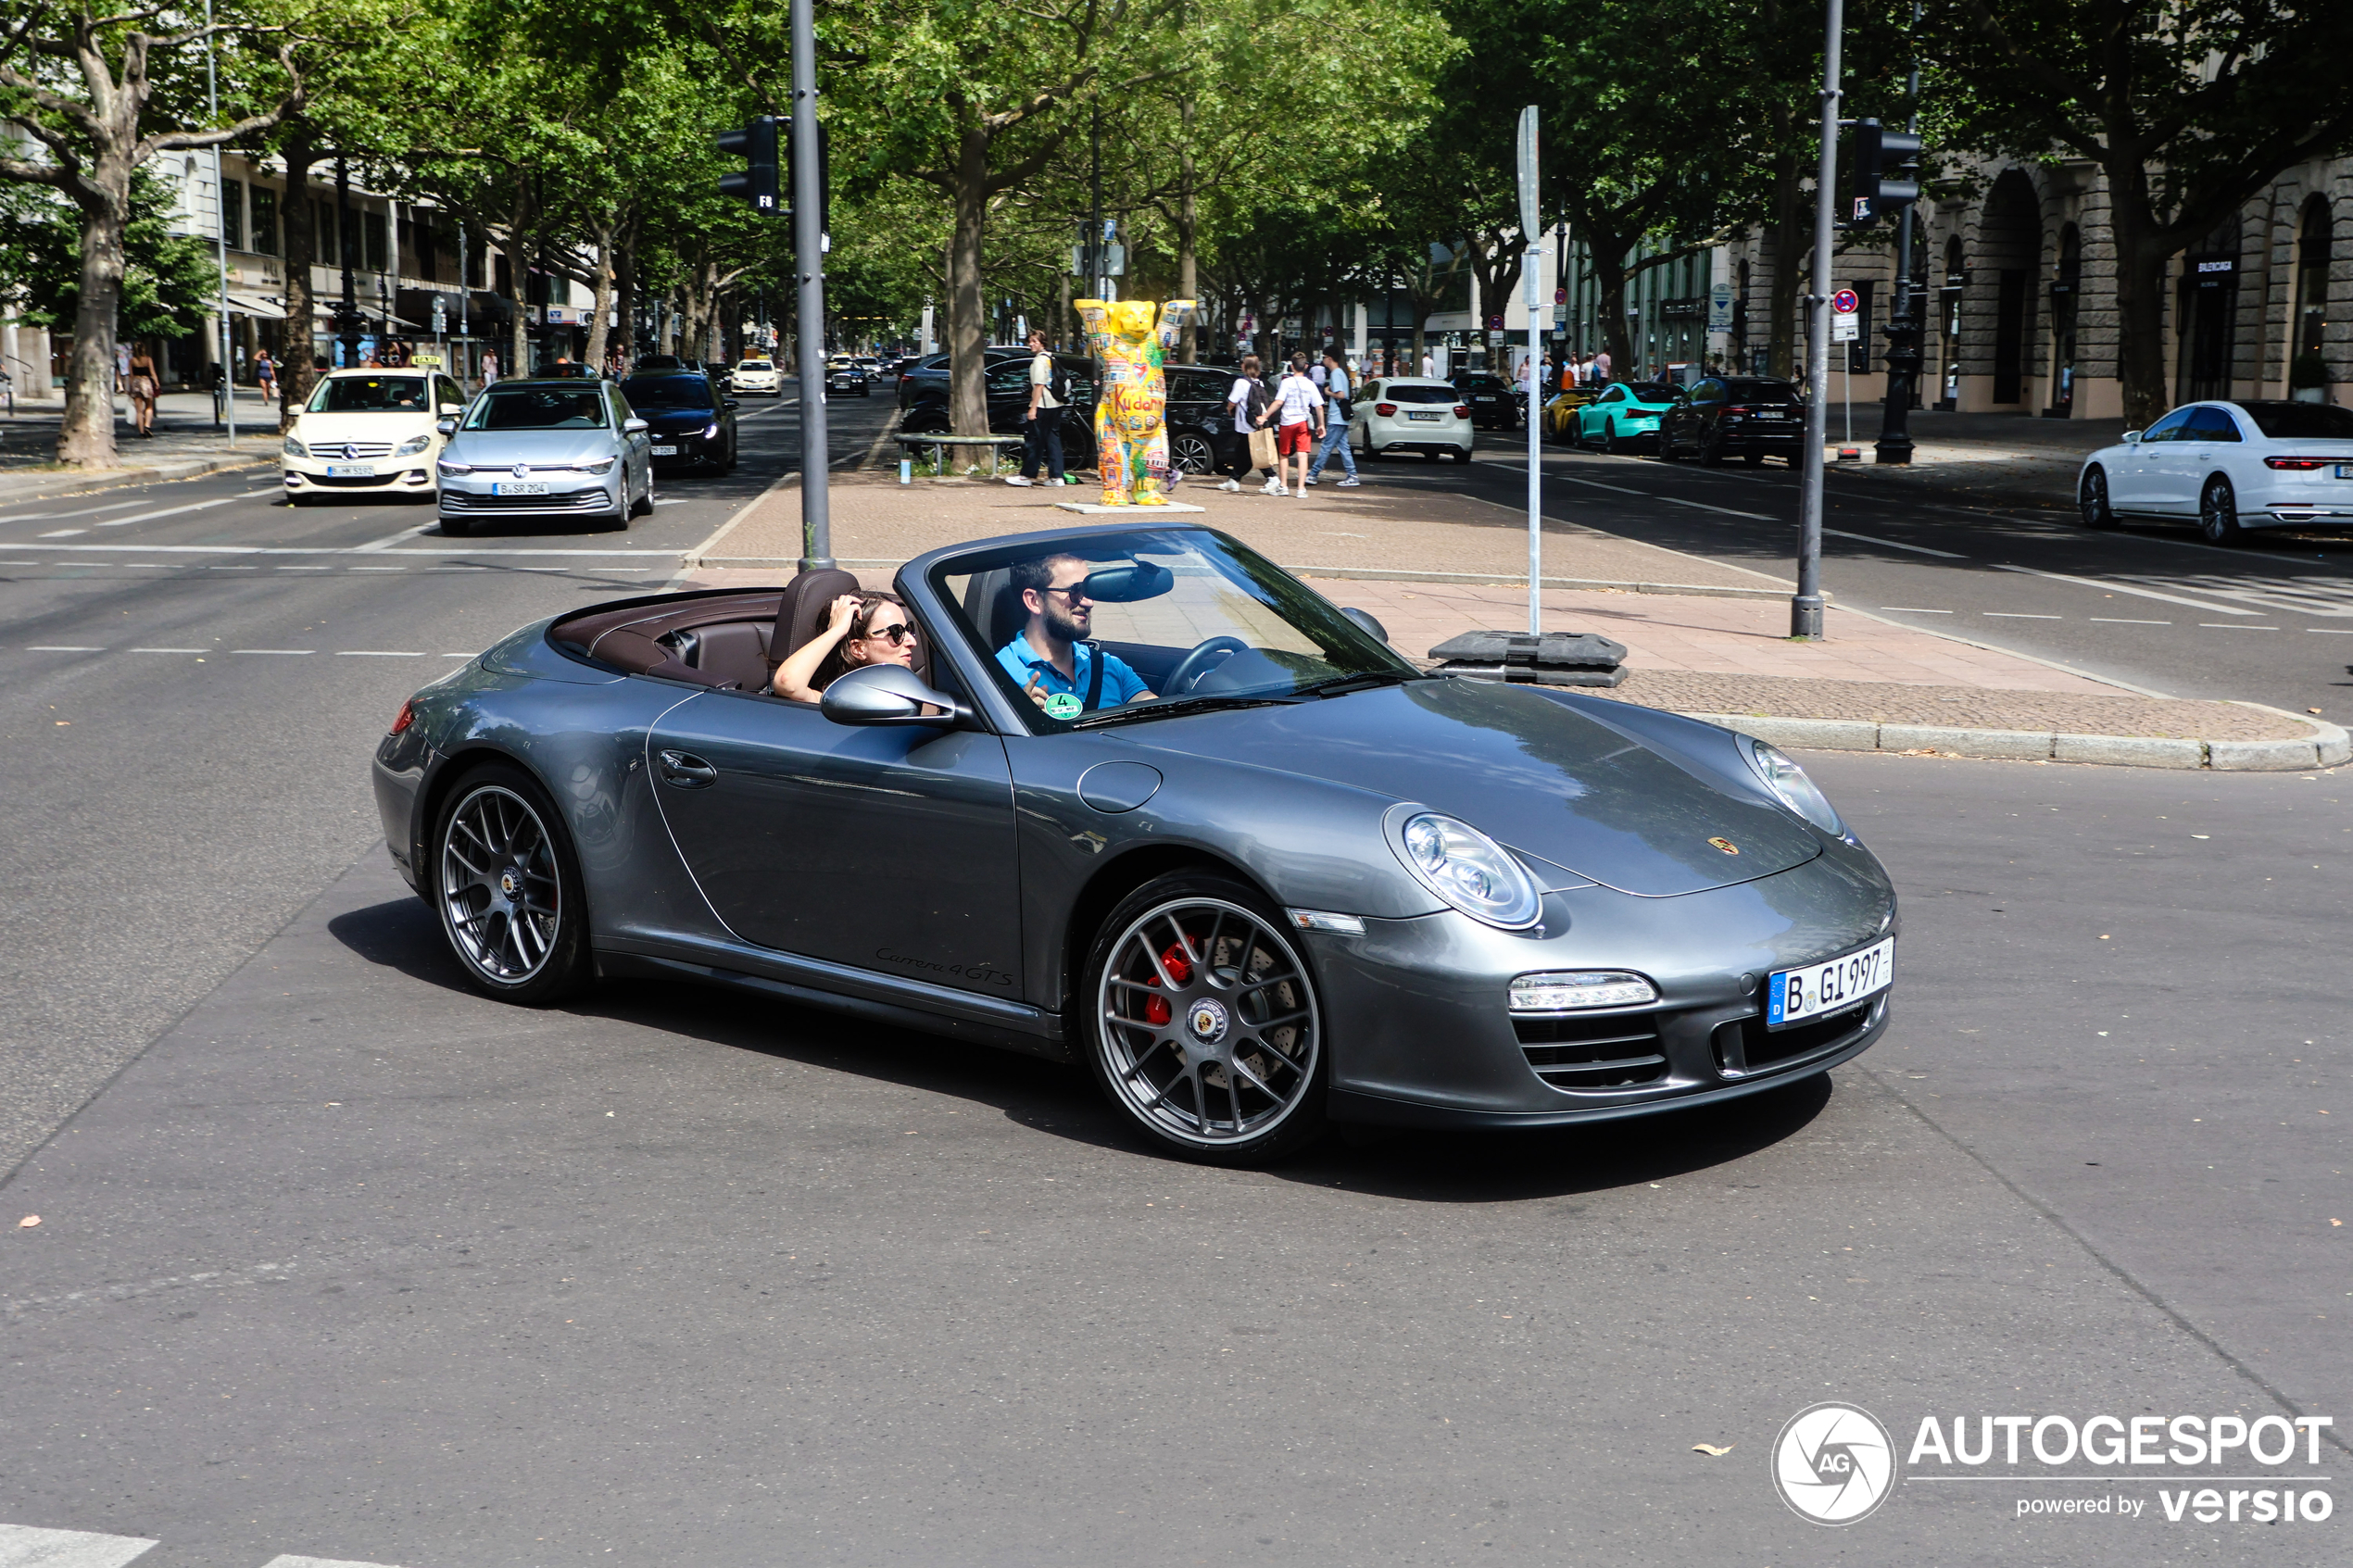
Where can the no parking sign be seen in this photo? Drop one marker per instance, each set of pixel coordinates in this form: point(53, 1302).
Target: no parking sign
point(1845, 310)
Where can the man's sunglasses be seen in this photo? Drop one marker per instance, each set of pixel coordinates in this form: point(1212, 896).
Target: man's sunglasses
point(1073, 594)
point(896, 635)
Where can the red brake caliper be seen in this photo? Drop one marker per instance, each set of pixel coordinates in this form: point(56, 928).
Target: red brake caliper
point(1181, 969)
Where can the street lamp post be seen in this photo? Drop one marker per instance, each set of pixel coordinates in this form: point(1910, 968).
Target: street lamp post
point(220, 203)
point(809, 261)
point(1806, 606)
point(347, 309)
point(1905, 328)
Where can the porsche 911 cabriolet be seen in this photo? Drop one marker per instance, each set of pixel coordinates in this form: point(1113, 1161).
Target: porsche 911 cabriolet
point(1145, 803)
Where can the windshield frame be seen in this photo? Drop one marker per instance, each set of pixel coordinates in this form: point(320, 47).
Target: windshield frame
point(477, 417)
point(1298, 606)
point(328, 383)
point(659, 378)
point(2259, 412)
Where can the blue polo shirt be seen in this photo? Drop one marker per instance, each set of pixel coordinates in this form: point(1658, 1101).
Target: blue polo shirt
point(1121, 684)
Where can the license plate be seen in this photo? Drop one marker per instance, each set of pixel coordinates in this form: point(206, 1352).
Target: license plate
point(352, 470)
point(1795, 994)
point(1431, 417)
point(2345, 470)
point(1770, 416)
point(510, 487)
point(665, 451)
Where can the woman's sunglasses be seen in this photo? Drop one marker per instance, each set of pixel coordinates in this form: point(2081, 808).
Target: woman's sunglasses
point(894, 635)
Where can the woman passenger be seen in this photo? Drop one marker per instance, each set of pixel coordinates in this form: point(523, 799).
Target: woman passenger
point(862, 629)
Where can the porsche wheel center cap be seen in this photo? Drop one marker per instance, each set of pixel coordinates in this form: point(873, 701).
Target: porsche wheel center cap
point(1206, 1019)
point(510, 883)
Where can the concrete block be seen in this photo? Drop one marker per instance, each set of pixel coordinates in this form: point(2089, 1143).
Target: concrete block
point(2335, 744)
point(1815, 735)
point(2129, 751)
point(2025, 745)
point(2264, 756)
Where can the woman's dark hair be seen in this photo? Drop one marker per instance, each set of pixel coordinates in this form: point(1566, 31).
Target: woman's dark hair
point(835, 665)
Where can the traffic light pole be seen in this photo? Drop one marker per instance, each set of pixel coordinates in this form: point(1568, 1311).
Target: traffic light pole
point(809, 260)
point(1806, 607)
point(1905, 334)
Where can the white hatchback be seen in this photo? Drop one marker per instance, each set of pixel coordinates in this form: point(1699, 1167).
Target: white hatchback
point(760, 375)
point(2233, 467)
point(370, 433)
point(1411, 414)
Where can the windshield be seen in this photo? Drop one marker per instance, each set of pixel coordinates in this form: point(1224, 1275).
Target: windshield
point(1760, 392)
point(538, 408)
point(1650, 392)
point(2301, 422)
point(1396, 393)
point(668, 392)
point(1485, 383)
point(371, 395)
point(1181, 618)
point(755, 365)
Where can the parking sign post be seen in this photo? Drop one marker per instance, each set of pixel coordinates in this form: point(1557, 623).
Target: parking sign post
point(1806, 605)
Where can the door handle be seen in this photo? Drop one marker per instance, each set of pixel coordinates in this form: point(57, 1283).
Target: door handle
point(687, 771)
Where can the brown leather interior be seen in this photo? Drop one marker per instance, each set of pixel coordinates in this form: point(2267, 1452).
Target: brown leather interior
point(727, 640)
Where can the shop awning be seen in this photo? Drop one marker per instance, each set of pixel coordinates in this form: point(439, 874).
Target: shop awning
point(254, 306)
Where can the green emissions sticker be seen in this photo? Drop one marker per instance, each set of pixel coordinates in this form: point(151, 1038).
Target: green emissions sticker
point(1062, 705)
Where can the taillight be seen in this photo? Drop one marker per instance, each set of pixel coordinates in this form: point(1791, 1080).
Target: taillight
point(2299, 465)
point(406, 716)
point(1386, 410)
point(1461, 412)
point(1739, 409)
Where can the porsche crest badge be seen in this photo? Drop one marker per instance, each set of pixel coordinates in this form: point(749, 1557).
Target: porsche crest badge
point(1726, 845)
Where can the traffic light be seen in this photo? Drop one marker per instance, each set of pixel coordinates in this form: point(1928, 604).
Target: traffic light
point(757, 182)
point(1881, 169)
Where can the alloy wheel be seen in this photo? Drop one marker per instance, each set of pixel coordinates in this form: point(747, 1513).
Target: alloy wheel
point(2094, 502)
point(500, 895)
point(2217, 514)
point(1192, 454)
point(1209, 1031)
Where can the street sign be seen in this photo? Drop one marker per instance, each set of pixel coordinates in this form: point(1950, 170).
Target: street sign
point(1845, 302)
point(1532, 222)
point(1560, 296)
point(1843, 326)
point(1719, 308)
point(1494, 323)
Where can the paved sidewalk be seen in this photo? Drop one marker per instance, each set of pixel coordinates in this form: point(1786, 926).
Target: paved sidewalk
point(1702, 637)
point(185, 443)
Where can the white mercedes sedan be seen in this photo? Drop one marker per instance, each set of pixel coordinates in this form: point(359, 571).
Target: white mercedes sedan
point(2235, 466)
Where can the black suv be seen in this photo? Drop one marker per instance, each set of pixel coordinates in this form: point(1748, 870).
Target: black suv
point(692, 424)
point(1494, 402)
point(1744, 416)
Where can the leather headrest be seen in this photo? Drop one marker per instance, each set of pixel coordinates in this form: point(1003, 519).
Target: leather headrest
point(801, 614)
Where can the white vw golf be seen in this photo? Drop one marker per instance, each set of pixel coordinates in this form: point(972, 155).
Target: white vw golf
point(370, 433)
point(2235, 466)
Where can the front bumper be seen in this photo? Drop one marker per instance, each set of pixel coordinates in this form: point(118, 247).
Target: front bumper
point(308, 476)
point(1420, 1032)
point(568, 494)
point(690, 447)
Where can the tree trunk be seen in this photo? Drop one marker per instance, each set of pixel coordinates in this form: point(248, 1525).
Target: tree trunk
point(299, 216)
point(1607, 253)
point(599, 334)
point(85, 439)
point(519, 328)
point(2141, 260)
point(1792, 247)
point(1188, 236)
point(625, 293)
point(967, 326)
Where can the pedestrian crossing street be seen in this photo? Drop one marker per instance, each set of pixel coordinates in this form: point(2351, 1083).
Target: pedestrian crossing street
point(24, 1547)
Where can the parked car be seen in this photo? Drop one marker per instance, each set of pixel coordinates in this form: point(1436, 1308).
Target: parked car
point(546, 449)
point(1294, 879)
point(1747, 417)
point(927, 378)
point(760, 375)
point(370, 433)
point(690, 423)
point(1494, 401)
point(2235, 466)
point(1625, 415)
point(844, 374)
point(1560, 412)
point(1411, 414)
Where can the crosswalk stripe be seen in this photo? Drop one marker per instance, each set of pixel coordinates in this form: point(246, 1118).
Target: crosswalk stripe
point(23, 1547)
point(317, 1562)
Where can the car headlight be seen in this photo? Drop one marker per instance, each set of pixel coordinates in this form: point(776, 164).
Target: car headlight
point(413, 446)
point(1789, 784)
point(1469, 870)
point(446, 466)
point(1572, 990)
point(605, 466)
point(295, 449)
point(710, 430)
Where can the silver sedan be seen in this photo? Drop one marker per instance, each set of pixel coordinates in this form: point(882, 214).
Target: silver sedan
point(546, 449)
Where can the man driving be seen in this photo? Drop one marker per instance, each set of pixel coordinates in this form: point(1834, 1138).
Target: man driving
point(1049, 656)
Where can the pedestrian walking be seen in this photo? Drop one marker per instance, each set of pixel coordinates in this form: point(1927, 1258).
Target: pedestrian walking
point(1429, 367)
point(143, 387)
point(122, 366)
point(1041, 423)
point(265, 372)
point(1299, 421)
point(489, 366)
point(1601, 368)
point(1338, 392)
point(1246, 398)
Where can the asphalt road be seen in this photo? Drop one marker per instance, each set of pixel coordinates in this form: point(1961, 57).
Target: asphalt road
point(2154, 607)
point(845, 1295)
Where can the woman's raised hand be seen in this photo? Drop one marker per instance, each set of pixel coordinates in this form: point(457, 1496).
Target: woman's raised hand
point(844, 611)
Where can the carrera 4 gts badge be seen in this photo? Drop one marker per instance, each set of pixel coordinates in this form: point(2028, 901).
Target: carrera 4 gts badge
point(1726, 845)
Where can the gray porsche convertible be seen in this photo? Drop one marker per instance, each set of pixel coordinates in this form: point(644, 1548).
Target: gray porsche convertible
point(1143, 802)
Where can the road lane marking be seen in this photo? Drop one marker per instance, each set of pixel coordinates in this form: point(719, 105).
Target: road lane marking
point(24, 1547)
point(167, 511)
point(286, 652)
point(341, 550)
point(1915, 610)
point(1916, 549)
point(2233, 626)
point(282, 1561)
point(2106, 588)
point(2120, 621)
point(63, 533)
point(389, 540)
point(1753, 517)
point(379, 568)
point(167, 650)
point(83, 511)
point(2018, 615)
point(374, 653)
point(2323, 630)
point(58, 648)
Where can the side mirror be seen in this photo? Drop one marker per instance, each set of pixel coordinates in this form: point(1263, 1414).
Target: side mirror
point(453, 408)
point(1366, 622)
point(733, 404)
point(2131, 438)
point(448, 427)
point(887, 694)
point(635, 427)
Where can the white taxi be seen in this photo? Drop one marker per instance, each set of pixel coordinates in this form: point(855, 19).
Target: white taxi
point(760, 375)
point(370, 433)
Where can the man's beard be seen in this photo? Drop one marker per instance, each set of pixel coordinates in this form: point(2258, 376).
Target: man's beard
point(1062, 623)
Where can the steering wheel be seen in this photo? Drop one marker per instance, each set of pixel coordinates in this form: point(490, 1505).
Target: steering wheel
point(1194, 664)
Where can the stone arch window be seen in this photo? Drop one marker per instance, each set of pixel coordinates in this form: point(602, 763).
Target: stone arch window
point(2009, 246)
point(2312, 255)
point(1949, 295)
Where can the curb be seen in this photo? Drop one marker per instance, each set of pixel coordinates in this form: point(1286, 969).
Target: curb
point(2326, 747)
point(65, 483)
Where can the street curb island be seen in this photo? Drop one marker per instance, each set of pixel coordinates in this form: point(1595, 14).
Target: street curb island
point(2326, 747)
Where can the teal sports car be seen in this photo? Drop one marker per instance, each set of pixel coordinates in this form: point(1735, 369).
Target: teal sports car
point(1622, 418)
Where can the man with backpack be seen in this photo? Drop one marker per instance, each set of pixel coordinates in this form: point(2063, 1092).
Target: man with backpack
point(1042, 422)
point(1338, 389)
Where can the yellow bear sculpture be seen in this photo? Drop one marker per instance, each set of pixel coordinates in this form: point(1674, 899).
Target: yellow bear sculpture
point(1131, 431)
